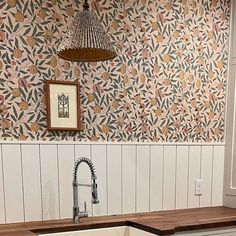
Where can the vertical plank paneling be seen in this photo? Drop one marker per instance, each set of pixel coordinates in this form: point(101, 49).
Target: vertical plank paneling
point(2, 199)
point(49, 171)
point(131, 178)
point(84, 177)
point(206, 175)
point(169, 177)
point(194, 173)
point(156, 178)
point(182, 177)
point(128, 178)
point(142, 191)
point(31, 182)
point(13, 183)
point(99, 157)
point(65, 168)
point(114, 179)
point(218, 176)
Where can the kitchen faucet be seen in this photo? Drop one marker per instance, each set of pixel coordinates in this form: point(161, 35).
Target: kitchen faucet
point(77, 214)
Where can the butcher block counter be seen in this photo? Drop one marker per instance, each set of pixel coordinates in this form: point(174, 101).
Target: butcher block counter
point(161, 223)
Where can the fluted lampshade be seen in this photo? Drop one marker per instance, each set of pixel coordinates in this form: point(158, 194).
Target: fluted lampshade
point(86, 40)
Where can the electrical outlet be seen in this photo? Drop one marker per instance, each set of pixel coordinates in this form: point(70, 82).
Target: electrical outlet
point(198, 186)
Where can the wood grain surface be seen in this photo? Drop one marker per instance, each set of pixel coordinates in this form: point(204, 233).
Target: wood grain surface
point(163, 223)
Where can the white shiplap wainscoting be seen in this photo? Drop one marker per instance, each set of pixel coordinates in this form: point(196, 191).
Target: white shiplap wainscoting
point(36, 179)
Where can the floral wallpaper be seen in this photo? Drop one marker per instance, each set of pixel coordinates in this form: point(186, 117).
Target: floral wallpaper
point(167, 83)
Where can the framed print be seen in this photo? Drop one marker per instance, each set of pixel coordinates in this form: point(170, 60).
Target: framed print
point(63, 105)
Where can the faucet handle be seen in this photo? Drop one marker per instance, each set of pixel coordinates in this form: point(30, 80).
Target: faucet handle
point(84, 213)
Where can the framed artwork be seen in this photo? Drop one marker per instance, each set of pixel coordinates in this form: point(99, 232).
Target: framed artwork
point(63, 105)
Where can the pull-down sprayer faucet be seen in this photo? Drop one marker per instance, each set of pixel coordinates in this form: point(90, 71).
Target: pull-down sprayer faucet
point(76, 212)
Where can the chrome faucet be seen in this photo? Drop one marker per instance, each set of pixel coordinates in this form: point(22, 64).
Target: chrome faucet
point(77, 214)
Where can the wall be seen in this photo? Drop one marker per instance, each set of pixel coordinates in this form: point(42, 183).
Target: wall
point(36, 179)
point(166, 85)
point(230, 155)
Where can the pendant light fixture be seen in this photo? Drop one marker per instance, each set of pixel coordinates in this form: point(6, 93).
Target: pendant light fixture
point(86, 40)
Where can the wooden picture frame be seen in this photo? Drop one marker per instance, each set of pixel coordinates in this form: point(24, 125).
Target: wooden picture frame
point(63, 105)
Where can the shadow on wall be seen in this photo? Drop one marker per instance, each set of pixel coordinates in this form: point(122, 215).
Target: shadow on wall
point(50, 205)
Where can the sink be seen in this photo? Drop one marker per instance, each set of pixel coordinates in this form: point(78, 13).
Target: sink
point(111, 231)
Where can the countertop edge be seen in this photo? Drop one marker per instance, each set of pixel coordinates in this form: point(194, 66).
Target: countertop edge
point(162, 223)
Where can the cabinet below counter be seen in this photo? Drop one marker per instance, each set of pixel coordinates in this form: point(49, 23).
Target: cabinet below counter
point(221, 231)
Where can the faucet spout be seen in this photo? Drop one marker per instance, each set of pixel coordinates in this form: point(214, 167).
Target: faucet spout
point(77, 214)
point(94, 192)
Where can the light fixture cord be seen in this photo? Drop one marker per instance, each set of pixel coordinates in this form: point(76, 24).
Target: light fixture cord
point(86, 5)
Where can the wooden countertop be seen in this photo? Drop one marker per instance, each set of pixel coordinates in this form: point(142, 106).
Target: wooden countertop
point(163, 223)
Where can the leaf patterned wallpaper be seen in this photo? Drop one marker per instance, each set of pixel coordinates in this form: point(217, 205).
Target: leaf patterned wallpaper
point(167, 84)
